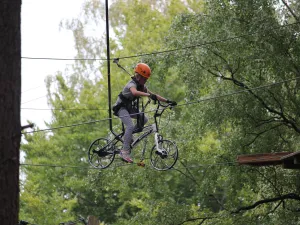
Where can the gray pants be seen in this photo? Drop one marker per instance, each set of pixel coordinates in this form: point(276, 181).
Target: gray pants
point(129, 127)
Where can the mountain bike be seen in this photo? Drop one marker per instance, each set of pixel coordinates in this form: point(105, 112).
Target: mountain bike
point(163, 154)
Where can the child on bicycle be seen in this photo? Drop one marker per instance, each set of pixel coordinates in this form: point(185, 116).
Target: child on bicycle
point(126, 109)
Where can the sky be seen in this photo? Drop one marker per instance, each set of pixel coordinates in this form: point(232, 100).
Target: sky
point(42, 37)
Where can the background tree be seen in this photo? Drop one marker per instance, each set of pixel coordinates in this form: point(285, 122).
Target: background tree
point(10, 96)
point(70, 192)
point(232, 65)
point(242, 46)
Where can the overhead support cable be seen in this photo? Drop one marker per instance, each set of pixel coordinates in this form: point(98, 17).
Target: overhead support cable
point(187, 103)
point(65, 59)
point(164, 51)
point(32, 89)
point(93, 168)
point(108, 68)
point(70, 109)
point(66, 126)
point(238, 92)
point(34, 99)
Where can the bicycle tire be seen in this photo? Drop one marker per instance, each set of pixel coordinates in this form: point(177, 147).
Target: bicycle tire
point(166, 159)
point(101, 153)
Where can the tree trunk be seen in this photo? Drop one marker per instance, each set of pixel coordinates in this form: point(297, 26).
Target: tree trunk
point(10, 97)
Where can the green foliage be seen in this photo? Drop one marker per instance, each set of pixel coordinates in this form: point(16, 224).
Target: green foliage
point(232, 66)
point(237, 50)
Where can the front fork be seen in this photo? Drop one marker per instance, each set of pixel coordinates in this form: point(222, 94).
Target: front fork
point(158, 141)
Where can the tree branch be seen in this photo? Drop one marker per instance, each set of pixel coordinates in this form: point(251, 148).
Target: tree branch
point(276, 100)
point(190, 177)
point(257, 135)
point(217, 200)
point(78, 195)
point(268, 121)
point(292, 196)
point(274, 185)
point(195, 219)
point(288, 122)
point(290, 10)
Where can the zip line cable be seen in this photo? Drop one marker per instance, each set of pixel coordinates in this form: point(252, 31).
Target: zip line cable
point(72, 167)
point(84, 123)
point(64, 59)
point(32, 89)
point(192, 102)
point(188, 103)
point(159, 52)
point(63, 109)
point(194, 166)
point(238, 92)
point(122, 165)
point(175, 168)
point(67, 126)
point(154, 53)
point(203, 44)
point(34, 99)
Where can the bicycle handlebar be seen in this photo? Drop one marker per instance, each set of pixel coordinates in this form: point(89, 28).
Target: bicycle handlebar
point(159, 104)
point(166, 105)
point(159, 111)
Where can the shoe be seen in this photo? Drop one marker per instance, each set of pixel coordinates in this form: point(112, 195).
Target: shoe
point(125, 155)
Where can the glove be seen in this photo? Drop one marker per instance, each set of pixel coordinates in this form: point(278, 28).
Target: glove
point(153, 97)
point(172, 103)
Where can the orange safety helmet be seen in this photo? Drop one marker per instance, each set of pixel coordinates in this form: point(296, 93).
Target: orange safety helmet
point(143, 70)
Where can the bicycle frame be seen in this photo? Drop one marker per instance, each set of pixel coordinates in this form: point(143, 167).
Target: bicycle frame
point(153, 129)
point(163, 155)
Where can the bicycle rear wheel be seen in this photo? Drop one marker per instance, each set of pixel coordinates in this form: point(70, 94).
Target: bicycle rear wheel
point(164, 158)
point(101, 153)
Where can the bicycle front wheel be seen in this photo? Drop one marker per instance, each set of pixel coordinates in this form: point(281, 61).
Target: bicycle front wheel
point(164, 157)
point(101, 153)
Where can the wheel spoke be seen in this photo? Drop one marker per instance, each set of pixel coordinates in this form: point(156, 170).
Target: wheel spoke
point(101, 153)
point(165, 159)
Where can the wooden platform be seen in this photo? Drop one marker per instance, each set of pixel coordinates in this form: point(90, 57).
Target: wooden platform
point(289, 160)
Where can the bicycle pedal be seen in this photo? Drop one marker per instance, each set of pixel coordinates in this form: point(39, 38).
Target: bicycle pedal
point(141, 164)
